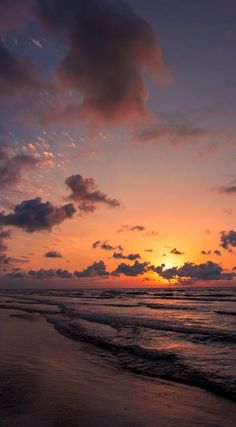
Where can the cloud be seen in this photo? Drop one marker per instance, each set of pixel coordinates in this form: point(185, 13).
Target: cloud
point(176, 252)
point(34, 215)
point(53, 254)
point(148, 250)
point(11, 168)
point(109, 48)
point(49, 274)
point(203, 252)
point(204, 271)
point(85, 192)
point(138, 268)
point(16, 75)
point(228, 239)
point(131, 228)
point(208, 150)
point(4, 234)
point(96, 244)
point(130, 257)
point(106, 246)
point(171, 133)
point(215, 252)
point(227, 190)
point(97, 269)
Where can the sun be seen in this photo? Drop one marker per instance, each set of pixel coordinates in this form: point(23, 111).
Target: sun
point(170, 262)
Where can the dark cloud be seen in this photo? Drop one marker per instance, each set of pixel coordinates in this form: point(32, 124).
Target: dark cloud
point(138, 268)
point(204, 271)
point(96, 244)
point(85, 192)
point(228, 239)
point(176, 252)
point(16, 75)
point(53, 254)
point(4, 259)
point(103, 245)
point(148, 250)
point(97, 269)
point(4, 235)
point(17, 274)
point(203, 252)
point(49, 274)
point(130, 257)
point(131, 228)
point(34, 215)
point(11, 167)
point(215, 252)
point(227, 190)
point(109, 47)
point(106, 246)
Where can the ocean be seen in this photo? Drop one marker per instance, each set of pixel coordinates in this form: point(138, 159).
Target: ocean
point(183, 335)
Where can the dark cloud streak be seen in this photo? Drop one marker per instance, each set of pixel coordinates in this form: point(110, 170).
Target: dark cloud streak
point(53, 254)
point(130, 257)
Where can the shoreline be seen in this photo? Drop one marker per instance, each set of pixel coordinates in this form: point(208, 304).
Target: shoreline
point(67, 388)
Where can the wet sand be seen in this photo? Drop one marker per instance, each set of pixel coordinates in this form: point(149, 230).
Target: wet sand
point(47, 380)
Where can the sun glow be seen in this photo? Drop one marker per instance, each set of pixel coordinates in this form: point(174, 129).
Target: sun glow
point(170, 262)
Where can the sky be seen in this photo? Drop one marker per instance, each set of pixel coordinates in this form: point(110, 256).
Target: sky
point(117, 143)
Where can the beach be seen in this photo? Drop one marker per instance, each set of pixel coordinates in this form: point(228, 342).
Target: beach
point(48, 380)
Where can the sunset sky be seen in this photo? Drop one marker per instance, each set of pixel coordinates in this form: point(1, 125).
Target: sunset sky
point(117, 149)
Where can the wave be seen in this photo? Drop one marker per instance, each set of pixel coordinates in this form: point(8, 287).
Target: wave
point(207, 334)
point(192, 333)
point(166, 307)
point(226, 313)
point(149, 362)
point(129, 345)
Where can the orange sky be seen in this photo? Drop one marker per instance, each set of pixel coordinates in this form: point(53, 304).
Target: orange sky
point(121, 124)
